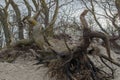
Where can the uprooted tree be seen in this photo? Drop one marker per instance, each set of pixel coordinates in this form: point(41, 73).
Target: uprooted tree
point(72, 64)
point(75, 63)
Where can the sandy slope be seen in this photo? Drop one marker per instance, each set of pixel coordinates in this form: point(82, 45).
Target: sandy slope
point(25, 70)
point(21, 70)
point(116, 58)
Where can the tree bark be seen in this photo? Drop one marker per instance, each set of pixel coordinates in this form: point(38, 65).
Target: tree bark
point(18, 18)
point(4, 22)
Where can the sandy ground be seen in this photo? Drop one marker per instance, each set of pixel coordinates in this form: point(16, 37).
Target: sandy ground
point(116, 58)
point(21, 70)
point(25, 70)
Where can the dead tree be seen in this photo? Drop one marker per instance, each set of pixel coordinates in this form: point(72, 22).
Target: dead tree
point(76, 64)
point(89, 35)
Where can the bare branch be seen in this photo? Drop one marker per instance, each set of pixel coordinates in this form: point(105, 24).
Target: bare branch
point(93, 13)
point(88, 35)
point(18, 17)
point(35, 4)
point(83, 20)
point(28, 7)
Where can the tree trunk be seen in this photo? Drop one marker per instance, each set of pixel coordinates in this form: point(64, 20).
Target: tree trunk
point(18, 18)
point(4, 22)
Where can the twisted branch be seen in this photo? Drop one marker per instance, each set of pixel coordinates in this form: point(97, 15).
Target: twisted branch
point(89, 35)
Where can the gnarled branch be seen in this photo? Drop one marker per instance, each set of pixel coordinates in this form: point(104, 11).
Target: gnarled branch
point(88, 34)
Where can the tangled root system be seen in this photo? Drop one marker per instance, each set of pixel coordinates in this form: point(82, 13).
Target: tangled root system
point(77, 68)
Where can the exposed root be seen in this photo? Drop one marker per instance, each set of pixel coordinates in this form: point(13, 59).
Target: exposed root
point(78, 68)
